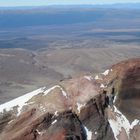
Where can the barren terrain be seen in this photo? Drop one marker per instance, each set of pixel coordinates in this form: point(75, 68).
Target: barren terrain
point(36, 54)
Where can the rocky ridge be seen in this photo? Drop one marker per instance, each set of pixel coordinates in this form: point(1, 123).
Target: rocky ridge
point(90, 107)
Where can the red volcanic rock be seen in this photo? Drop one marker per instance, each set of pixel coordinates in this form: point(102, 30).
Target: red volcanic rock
point(90, 107)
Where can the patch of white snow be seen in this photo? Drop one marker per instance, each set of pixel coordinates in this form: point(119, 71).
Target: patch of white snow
point(39, 133)
point(115, 98)
point(22, 100)
point(88, 78)
point(134, 123)
point(63, 92)
point(56, 113)
point(79, 106)
point(97, 78)
point(10, 121)
point(121, 122)
point(57, 86)
point(50, 89)
point(88, 133)
point(102, 86)
point(54, 122)
point(19, 102)
point(95, 133)
point(106, 72)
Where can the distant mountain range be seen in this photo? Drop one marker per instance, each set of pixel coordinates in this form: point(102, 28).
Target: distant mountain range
point(116, 6)
point(64, 15)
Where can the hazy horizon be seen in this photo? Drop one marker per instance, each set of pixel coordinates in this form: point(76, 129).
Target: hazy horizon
point(23, 3)
point(115, 5)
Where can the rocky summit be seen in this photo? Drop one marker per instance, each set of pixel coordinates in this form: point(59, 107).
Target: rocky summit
point(104, 106)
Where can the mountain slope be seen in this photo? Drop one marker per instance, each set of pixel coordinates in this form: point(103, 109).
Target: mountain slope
point(89, 107)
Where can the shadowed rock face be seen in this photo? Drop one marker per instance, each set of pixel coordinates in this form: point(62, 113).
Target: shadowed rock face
point(89, 107)
point(130, 92)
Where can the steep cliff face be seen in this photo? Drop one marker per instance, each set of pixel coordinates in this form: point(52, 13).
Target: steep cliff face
point(126, 108)
point(90, 107)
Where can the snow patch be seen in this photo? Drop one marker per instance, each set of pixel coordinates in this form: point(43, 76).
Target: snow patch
point(115, 98)
point(43, 108)
point(121, 122)
point(88, 133)
point(49, 90)
point(88, 78)
point(19, 102)
point(102, 86)
point(38, 132)
point(95, 133)
point(79, 106)
point(106, 72)
point(134, 123)
point(63, 92)
point(22, 100)
point(10, 121)
point(54, 122)
point(57, 86)
point(97, 78)
point(56, 113)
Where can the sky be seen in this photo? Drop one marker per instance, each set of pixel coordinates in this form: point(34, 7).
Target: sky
point(60, 2)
